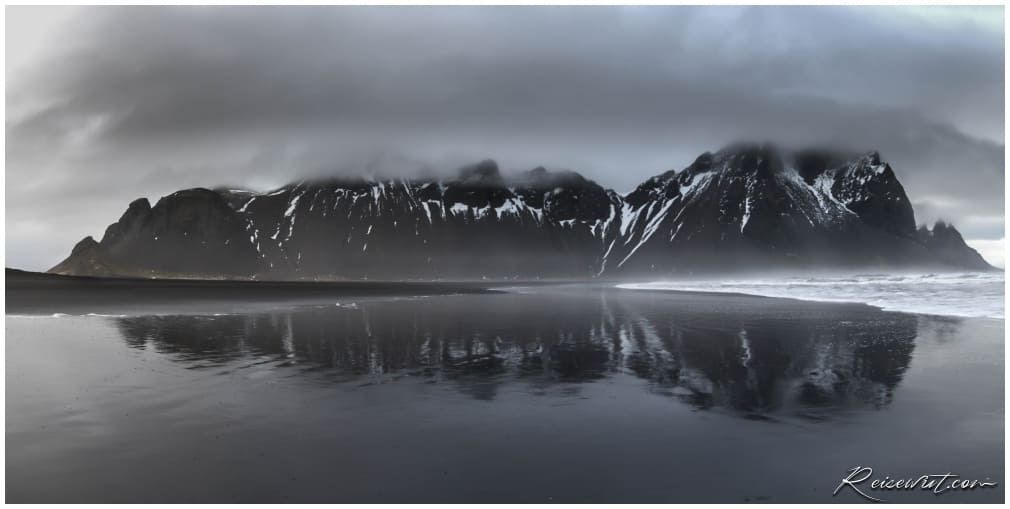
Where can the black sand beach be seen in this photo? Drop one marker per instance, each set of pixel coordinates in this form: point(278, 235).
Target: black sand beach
point(368, 392)
point(38, 293)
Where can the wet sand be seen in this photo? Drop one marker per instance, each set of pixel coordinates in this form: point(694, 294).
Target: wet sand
point(33, 293)
point(572, 393)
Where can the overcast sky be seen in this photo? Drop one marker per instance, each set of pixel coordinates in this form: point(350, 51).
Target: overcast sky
point(107, 104)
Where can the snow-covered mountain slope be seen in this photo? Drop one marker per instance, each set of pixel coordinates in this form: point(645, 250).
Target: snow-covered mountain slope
point(475, 226)
point(755, 206)
point(744, 207)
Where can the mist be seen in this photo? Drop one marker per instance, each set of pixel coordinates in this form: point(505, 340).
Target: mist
point(107, 104)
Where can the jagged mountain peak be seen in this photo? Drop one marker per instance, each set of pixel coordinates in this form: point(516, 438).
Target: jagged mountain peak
point(484, 173)
point(752, 205)
point(736, 160)
point(872, 157)
point(85, 244)
point(948, 245)
point(808, 162)
point(941, 230)
point(541, 177)
point(140, 204)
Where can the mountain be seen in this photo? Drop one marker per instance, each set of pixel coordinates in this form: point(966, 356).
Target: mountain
point(744, 207)
point(756, 206)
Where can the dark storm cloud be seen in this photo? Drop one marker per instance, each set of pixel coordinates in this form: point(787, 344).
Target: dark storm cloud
point(142, 101)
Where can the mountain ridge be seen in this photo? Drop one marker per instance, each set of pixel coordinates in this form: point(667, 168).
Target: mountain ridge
point(746, 206)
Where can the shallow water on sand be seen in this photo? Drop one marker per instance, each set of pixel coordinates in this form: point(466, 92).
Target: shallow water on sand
point(567, 394)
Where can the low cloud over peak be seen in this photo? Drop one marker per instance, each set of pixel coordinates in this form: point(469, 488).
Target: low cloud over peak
point(108, 104)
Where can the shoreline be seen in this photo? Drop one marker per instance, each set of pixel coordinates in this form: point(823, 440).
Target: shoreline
point(808, 300)
point(893, 296)
point(33, 294)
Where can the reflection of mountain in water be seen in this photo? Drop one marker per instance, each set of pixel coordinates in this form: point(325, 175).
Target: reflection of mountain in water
point(755, 362)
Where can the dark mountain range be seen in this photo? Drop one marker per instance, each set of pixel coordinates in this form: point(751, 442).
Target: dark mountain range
point(745, 207)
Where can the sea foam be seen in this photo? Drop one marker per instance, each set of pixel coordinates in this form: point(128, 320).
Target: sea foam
point(967, 294)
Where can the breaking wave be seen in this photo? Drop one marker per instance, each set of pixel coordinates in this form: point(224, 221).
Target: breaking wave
point(967, 294)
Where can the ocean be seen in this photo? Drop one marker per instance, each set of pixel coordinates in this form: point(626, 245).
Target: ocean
point(967, 294)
